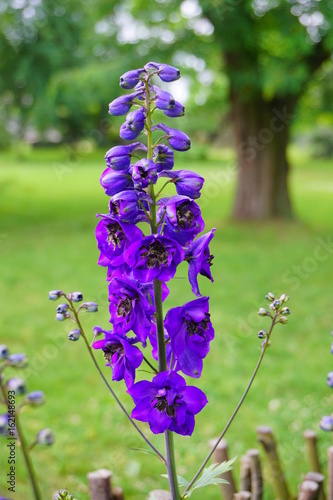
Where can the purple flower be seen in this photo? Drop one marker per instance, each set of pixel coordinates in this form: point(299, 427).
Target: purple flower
point(119, 157)
point(123, 104)
point(191, 331)
point(330, 379)
point(167, 403)
point(163, 157)
point(123, 357)
point(129, 308)
point(167, 103)
point(4, 431)
point(126, 207)
point(165, 72)
point(113, 237)
point(131, 78)
point(113, 182)
point(144, 172)
point(199, 260)
point(154, 257)
point(187, 183)
point(134, 124)
point(182, 219)
point(326, 424)
point(176, 139)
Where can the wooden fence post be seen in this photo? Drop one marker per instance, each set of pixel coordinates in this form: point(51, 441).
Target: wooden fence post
point(256, 476)
point(117, 493)
point(309, 490)
point(266, 438)
point(310, 438)
point(221, 455)
point(100, 484)
point(242, 495)
point(330, 472)
point(318, 478)
point(245, 474)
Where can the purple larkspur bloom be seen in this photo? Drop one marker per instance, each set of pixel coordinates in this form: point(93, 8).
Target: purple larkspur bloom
point(4, 351)
point(113, 237)
point(187, 183)
point(190, 331)
point(330, 379)
point(154, 257)
point(163, 157)
point(176, 138)
point(166, 403)
point(167, 103)
point(119, 157)
point(326, 424)
point(182, 219)
point(123, 357)
point(113, 181)
point(126, 206)
point(131, 78)
point(4, 417)
point(129, 308)
point(199, 260)
point(144, 172)
point(134, 124)
point(165, 72)
point(123, 104)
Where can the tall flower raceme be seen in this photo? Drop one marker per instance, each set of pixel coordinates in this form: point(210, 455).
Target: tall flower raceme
point(143, 238)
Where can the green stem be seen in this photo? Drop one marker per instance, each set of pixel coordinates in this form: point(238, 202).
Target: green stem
point(21, 440)
point(161, 457)
point(149, 364)
point(262, 353)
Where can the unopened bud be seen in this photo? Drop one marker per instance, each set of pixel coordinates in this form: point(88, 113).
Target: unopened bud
point(90, 306)
point(60, 317)
point(45, 437)
point(275, 305)
point(263, 312)
point(19, 360)
point(326, 423)
point(270, 296)
point(283, 320)
point(285, 310)
point(55, 294)
point(16, 384)
point(262, 334)
point(74, 335)
point(284, 298)
point(4, 351)
point(330, 379)
point(62, 308)
point(34, 398)
point(63, 495)
point(76, 296)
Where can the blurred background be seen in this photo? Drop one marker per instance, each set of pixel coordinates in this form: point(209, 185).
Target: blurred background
point(258, 92)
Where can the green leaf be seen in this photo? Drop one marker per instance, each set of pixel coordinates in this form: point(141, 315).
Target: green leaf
point(209, 476)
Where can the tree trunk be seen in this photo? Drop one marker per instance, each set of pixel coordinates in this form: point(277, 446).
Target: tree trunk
point(262, 134)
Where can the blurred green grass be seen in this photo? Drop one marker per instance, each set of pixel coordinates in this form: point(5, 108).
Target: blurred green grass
point(48, 202)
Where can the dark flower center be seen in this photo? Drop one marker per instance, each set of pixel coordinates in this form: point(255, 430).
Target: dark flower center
point(110, 349)
point(124, 307)
point(143, 173)
point(156, 254)
point(115, 234)
point(162, 405)
point(185, 217)
point(210, 259)
point(194, 328)
point(114, 207)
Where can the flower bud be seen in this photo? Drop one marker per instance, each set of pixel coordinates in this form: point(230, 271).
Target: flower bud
point(263, 312)
point(284, 298)
point(62, 308)
point(134, 124)
point(270, 296)
point(332, 349)
point(4, 424)
point(77, 296)
point(144, 172)
point(17, 360)
point(330, 379)
point(45, 437)
point(55, 294)
point(90, 306)
point(262, 334)
point(60, 317)
point(16, 384)
point(74, 335)
point(4, 351)
point(283, 320)
point(131, 78)
point(285, 310)
point(275, 305)
point(165, 72)
point(34, 398)
point(326, 423)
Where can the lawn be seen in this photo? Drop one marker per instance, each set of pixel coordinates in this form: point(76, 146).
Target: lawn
point(48, 203)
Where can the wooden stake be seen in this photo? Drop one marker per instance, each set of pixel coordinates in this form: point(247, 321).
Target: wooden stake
point(330, 472)
point(220, 455)
point(117, 493)
point(266, 438)
point(318, 478)
point(100, 484)
point(311, 450)
point(256, 476)
point(245, 474)
point(242, 495)
point(159, 495)
point(309, 490)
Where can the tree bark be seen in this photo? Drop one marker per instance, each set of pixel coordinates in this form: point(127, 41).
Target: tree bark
point(261, 131)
